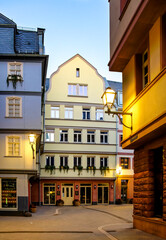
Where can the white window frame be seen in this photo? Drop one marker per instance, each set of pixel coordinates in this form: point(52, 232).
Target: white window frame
point(91, 158)
point(99, 114)
point(51, 135)
point(77, 90)
point(13, 145)
point(77, 158)
point(104, 134)
point(69, 112)
point(77, 134)
point(63, 133)
point(15, 71)
point(91, 134)
point(14, 98)
point(63, 160)
point(86, 111)
point(49, 160)
point(104, 160)
point(55, 112)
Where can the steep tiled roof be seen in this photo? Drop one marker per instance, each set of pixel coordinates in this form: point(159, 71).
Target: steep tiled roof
point(27, 42)
point(116, 86)
point(5, 20)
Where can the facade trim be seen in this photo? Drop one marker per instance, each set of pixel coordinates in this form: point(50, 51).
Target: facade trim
point(74, 103)
point(80, 152)
point(72, 127)
point(8, 171)
point(20, 93)
point(27, 131)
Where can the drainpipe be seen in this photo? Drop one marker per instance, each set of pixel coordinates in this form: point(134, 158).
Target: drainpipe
point(39, 179)
point(116, 157)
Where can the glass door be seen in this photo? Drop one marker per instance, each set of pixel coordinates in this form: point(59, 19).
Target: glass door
point(67, 194)
point(102, 193)
point(49, 194)
point(85, 194)
point(124, 190)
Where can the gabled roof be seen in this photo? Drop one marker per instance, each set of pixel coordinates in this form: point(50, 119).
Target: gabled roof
point(77, 55)
point(6, 21)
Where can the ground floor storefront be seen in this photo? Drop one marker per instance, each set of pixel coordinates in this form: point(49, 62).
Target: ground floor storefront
point(14, 193)
point(88, 192)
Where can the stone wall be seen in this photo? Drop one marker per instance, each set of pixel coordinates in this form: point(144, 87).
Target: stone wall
point(144, 178)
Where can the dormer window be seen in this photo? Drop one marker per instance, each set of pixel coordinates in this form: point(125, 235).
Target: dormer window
point(77, 72)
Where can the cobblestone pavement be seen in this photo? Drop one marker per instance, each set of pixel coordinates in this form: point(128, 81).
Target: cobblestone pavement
point(98, 222)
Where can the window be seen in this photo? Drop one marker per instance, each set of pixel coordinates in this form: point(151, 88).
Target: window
point(63, 161)
point(9, 193)
point(103, 162)
point(50, 135)
point(15, 68)
point(54, 112)
point(90, 161)
point(63, 135)
point(86, 113)
point(103, 137)
point(90, 136)
point(14, 107)
point(77, 136)
point(69, 112)
point(125, 163)
point(77, 161)
point(14, 146)
point(99, 114)
point(145, 68)
point(49, 160)
point(77, 72)
point(120, 98)
point(77, 89)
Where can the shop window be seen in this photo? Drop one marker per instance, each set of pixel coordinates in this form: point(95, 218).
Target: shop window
point(49, 160)
point(63, 135)
point(124, 163)
point(77, 136)
point(14, 107)
point(13, 146)
point(90, 136)
point(9, 193)
point(54, 112)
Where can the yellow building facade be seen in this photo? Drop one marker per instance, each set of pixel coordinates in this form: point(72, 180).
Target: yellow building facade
point(139, 52)
point(79, 156)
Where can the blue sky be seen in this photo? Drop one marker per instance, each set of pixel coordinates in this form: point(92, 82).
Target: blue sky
point(72, 26)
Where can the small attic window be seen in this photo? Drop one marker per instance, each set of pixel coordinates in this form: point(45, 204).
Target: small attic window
point(77, 72)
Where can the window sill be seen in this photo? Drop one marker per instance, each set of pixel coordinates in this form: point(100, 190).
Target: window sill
point(77, 96)
point(9, 156)
point(13, 117)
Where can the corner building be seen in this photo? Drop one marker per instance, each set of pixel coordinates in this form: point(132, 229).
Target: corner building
point(79, 155)
point(23, 67)
point(137, 48)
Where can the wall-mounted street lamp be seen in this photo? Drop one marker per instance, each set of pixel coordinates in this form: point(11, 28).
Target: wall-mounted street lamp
point(32, 142)
point(119, 171)
point(108, 98)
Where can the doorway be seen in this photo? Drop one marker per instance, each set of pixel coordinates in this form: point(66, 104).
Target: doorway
point(67, 194)
point(49, 194)
point(124, 184)
point(158, 182)
point(85, 194)
point(103, 193)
